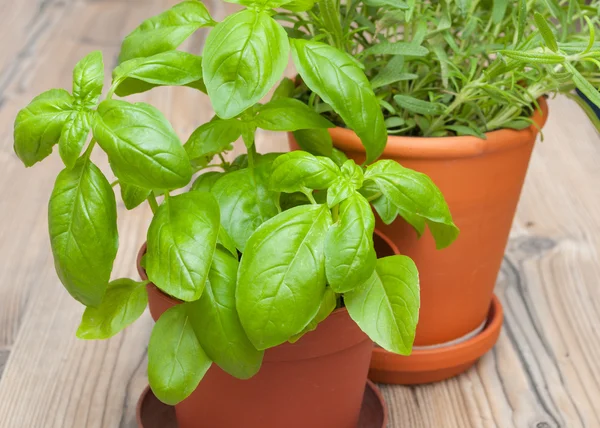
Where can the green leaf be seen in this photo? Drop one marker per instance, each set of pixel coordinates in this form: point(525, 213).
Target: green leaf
point(166, 31)
point(521, 19)
point(260, 4)
point(299, 5)
point(546, 32)
point(297, 171)
point(288, 114)
point(82, 218)
point(353, 173)
point(349, 254)
point(181, 242)
point(284, 90)
point(417, 199)
point(282, 275)
point(74, 136)
point(88, 79)
point(338, 157)
point(320, 65)
point(328, 305)
point(213, 137)
point(398, 4)
point(592, 38)
point(499, 10)
point(386, 209)
point(216, 322)
point(340, 190)
point(38, 126)
point(142, 147)
point(389, 74)
point(583, 85)
point(418, 106)
point(133, 196)
point(244, 56)
point(227, 242)
point(315, 141)
point(245, 201)
point(124, 302)
point(206, 181)
point(534, 57)
point(172, 68)
point(465, 130)
point(386, 307)
point(396, 48)
point(176, 361)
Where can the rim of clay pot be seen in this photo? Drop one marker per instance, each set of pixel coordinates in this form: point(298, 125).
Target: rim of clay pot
point(446, 147)
point(433, 362)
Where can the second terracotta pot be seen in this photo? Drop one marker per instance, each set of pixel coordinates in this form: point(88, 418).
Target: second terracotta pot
point(481, 181)
point(317, 382)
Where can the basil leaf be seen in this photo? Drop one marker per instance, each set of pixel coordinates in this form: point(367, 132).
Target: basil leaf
point(386, 307)
point(181, 242)
point(297, 171)
point(38, 126)
point(142, 147)
point(315, 141)
point(172, 68)
point(88, 79)
point(263, 4)
point(319, 65)
point(244, 56)
point(227, 242)
point(288, 114)
point(396, 48)
point(415, 105)
point(213, 137)
point(328, 305)
point(133, 196)
point(338, 157)
point(216, 322)
point(124, 302)
point(176, 361)
point(74, 136)
point(353, 173)
point(349, 254)
point(82, 218)
point(299, 5)
point(245, 201)
point(417, 199)
point(387, 210)
point(166, 31)
point(206, 181)
point(284, 90)
point(283, 260)
point(340, 190)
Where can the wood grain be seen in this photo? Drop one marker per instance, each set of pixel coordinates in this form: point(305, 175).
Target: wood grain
point(544, 371)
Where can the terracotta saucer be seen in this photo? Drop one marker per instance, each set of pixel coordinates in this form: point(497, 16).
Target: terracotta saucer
point(437, 363)
point(152, 413)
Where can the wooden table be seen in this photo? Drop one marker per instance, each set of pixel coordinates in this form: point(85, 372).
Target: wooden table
point(544, 371)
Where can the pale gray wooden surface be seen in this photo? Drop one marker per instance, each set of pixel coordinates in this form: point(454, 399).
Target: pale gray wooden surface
point(544, 372)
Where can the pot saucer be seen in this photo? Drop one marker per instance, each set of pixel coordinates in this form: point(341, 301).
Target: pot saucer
point(152, 413)
point(437, 363)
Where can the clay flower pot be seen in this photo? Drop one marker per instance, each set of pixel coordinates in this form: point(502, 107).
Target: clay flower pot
point(317, 382)
point(481, 181)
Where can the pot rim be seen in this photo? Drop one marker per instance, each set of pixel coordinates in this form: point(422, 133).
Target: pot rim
point(447, 147)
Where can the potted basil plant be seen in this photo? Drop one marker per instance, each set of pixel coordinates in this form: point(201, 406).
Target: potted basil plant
point(462, 87)
point(263, 276)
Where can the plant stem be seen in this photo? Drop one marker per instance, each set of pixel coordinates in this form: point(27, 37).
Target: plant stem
point(152, 202)
point(114, 183)
point(335, 213)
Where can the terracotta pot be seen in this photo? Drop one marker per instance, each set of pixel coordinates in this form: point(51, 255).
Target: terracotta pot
point(482, 181)
point(317, 382)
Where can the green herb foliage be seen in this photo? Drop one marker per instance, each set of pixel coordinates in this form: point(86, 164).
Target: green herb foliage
point(444, 68)
point(260, 251)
